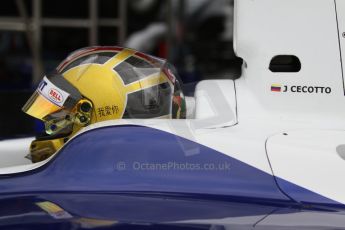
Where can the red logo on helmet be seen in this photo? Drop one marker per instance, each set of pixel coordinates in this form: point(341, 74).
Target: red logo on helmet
point(55, 95)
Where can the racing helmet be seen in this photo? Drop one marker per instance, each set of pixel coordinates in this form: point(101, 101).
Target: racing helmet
point(97, 84)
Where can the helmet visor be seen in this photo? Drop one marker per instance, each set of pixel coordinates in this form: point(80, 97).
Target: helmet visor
point(39, 106)
point(53, 94)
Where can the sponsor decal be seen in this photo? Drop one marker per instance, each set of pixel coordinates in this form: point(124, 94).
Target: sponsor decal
point(51, 92)
point(301, 89)
point(42, 85)
point(55, 95)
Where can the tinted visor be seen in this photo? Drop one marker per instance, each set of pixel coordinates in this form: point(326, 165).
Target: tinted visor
point(53, 94)
point(39, 107)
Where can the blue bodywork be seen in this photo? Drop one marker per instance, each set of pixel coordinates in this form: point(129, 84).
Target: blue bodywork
point(123, 174)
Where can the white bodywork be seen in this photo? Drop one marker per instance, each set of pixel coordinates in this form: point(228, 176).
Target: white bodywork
point(244, 117)
point(12, 152)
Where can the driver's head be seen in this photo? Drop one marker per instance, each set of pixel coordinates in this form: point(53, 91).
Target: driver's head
point(98, 84)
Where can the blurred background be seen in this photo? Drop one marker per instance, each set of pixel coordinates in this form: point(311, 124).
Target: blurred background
point(35, 35)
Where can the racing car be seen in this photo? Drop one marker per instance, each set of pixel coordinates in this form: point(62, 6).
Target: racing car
point(265, 151)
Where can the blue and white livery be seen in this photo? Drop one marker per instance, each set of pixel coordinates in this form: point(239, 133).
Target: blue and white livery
point(266, 151)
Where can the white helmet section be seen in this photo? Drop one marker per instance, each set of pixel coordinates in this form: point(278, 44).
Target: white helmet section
point(293, 31)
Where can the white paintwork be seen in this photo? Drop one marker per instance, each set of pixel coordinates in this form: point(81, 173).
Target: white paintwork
point(13, 156)
point(22, 168)
point(13, 152)
point(216, 100)
point(309, 158)
point(190, 104)
point(340, 6)
point(305, 28)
